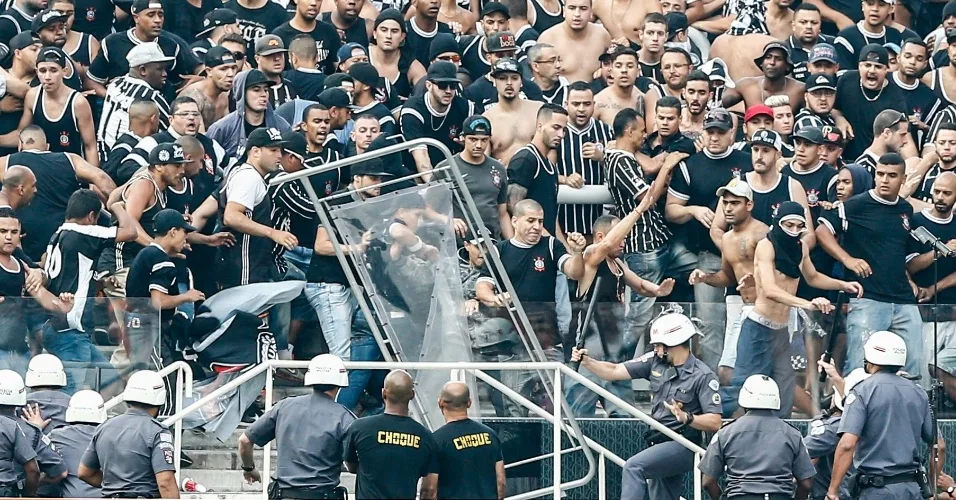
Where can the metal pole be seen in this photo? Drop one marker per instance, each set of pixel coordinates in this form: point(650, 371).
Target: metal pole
point(267, 449)
point(602, 478)
point(697, 479)
point(178, 428)
point(241, 379)
point(556, 434)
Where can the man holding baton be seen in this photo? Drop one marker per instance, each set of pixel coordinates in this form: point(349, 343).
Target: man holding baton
point(685, 400)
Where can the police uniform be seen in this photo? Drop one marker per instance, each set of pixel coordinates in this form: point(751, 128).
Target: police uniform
point(821, 442)
point(468, 452)
point(392, 453)
point(15, 450)
point(762, 454)
point(130, 449)
point(310, 456)
point(52, 406)
point(71, 441)
point(890, 415)
point(48, 459)
point(692, 384)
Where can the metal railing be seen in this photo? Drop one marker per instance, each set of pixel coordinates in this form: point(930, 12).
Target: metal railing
point(560, 423)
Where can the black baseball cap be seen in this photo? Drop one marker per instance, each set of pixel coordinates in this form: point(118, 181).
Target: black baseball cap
point(170, 218)
point(823, 52)
point(676, 23)
point(364, 73)
point(269, 44)
point(219, 56)
point(46, 18)
point(812, 135)
point(53, 55)
point(22, 41)
point(335, 80)
point(493, 7)
point(476, 125)
point(335, 97)
point(442, 72)
point(502, 41)
point(767, 138)
point(256, 77)
point(372, 168)
point(832, 135)
point(875, 53)
point(264, 137)
point(295, 143)
point(167, 153)
point(141, 5)
point(817, 81)
point(216, 18)
point(718, 118)
point(505, 65)
point(951, 35)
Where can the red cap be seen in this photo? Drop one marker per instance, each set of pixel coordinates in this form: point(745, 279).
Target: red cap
point(755, 111)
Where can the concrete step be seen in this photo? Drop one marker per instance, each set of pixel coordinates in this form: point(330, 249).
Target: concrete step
point(231, 481)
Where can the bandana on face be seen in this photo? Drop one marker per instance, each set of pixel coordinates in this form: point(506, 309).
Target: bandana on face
point(786, 244)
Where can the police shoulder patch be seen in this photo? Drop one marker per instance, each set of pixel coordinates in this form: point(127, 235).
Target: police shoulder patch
point(165, 437)
point(849, 399)
point(817, 427)
point(45, 439)
point(716, 398)
point(713, 384)
point(647, 356)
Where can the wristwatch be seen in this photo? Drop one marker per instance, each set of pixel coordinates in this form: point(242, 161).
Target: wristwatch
point(248, 469)
point(950, 491)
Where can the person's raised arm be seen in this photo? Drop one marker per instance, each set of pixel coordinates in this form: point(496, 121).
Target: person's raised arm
point(603, 369)
point(99, 181)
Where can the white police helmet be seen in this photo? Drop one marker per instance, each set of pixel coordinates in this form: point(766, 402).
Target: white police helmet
point(672, 329)
point(86, 406)
point(46, 370)
point(146, 387)
point(12, 390)
point(759, 392)
point(327, 369)
point(885, 349)
point(855, 377)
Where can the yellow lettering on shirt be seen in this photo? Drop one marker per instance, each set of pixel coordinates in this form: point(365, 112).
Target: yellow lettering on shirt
point(472, 441)
point(398, 439)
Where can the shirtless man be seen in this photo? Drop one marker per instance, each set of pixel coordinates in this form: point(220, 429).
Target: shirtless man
point(612, 13)
point(764, 342)
point(633, 19)
point(212, 92)
point(622, 93)
point(461, 20)
point(579, 41)
point(775, 64)
point(512, 129)
point(737, 255)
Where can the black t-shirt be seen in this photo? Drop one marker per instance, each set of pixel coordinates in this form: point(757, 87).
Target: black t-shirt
point(945, 230)
point(420, 41)
point(152, 270)
point(13, 21)
point(468, 452)
point(851, 39)
point(860, 108)
point(417, 120)
point(94, 17)
point(356, 33)
point(473, 56)
point(71, 260)
point(185, 20)
point(327, 42)
point(56, 183)
point(652, 71)
point(697, 180)
point(925, 190)
point(326, 268)
point(870, 219)
point(920, 101)
point(533, 270)
point(308, 84)
point(535, 172)
point(111, 62)
point(254, 23)
point(816, 182)
point(393, 452)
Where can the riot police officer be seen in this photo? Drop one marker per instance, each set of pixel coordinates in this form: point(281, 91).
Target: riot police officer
point(48, 459)
point(85, 411)
point(131, 455)
point(685, 400)
point(310, 431)
point(823, 436)
point(16, 451)
point(46, 380)
point(762, 453)
point(884, 419)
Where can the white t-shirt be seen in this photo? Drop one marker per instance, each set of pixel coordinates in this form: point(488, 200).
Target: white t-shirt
point(246, 187)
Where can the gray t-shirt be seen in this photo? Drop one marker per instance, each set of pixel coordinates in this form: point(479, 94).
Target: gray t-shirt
point(488, 185)
point(131, 449)
point(762, 455)
point(71, 442)
point(310, 430)
point(52, 406)
point(890, 415)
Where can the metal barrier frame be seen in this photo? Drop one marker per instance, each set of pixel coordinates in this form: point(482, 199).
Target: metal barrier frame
point(567, 424)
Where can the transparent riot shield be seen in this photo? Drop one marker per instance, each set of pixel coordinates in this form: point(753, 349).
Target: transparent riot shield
point(410, 267)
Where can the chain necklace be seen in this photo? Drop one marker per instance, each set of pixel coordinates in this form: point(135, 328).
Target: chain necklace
point(863, 91)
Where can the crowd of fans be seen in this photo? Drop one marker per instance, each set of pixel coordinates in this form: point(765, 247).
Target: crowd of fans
point(747, 159)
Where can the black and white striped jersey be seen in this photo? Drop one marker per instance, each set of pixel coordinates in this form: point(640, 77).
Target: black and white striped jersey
point(120, 95)
point(626, 181)
point(580, 218)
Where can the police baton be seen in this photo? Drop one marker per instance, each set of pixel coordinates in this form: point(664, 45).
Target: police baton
point(583, 326)
point(831, 339)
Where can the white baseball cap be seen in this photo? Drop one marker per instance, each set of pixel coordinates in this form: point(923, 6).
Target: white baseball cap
point(146, 53)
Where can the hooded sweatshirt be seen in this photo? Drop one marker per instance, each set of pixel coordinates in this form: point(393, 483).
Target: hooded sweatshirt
point(230, 132)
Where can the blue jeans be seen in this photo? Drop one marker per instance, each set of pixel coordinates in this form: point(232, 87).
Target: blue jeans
point(363, 348)
point(16, 361)
point(335, 306)
point(867, 316)
point(187, 308)
point(671, 257)
point(562, 304)
point(763, 348)
point(298, 260)
point(73, 346)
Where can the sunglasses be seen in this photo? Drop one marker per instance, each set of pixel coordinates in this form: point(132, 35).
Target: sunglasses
point(239, 55)
point(446, 85)
point(455, 58)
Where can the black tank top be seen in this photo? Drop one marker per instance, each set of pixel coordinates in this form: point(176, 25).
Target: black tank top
point(82, 52)
point(611, 288)
point(766, 202)
point(544, 19)
point(938, 88)
point(396, 93)
point(126, 251)
point(62, 132)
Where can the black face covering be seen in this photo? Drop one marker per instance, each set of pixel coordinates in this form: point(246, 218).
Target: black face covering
point(786, 246)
